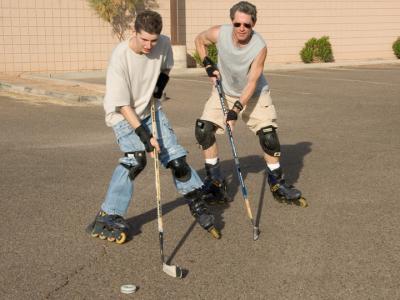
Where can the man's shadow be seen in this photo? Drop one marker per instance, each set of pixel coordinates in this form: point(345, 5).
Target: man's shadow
point(292, 163)
point(136, 223)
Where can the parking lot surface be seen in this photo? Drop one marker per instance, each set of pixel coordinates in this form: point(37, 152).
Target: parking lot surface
point(339, 130)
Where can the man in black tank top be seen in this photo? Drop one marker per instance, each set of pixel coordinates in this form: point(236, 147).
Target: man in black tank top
point(241, 57)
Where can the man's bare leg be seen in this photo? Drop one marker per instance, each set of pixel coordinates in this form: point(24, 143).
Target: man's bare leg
point(214, 183)
point(278, 186)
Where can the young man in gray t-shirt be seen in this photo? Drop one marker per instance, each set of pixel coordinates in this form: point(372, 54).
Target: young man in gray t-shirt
point(137, 71)
point(241, 57)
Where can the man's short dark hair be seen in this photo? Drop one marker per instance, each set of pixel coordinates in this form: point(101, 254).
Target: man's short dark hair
point(149, 21)
point(244, 7)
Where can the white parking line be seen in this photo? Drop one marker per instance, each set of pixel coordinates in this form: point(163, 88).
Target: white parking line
point(336, 79)
point(290, 92)
point(351, 69)
point(272, 89)
point(193, 80)
point(362, 69)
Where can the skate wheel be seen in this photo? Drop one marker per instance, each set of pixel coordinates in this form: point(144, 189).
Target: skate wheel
point(111, 239)
point(102, 236)
point(302, 202)
point(94, 234)
point(278, 198)
point(121, 239)
point(215, 233)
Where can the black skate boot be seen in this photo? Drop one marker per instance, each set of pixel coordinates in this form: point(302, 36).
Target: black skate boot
point(199, 210)
point(111, 227)
point(215, 189)
point(282, 191)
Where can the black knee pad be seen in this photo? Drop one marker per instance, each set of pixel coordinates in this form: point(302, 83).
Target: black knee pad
point(140, 157)
point(205, 133)
point(180, 169)
point(269, 141)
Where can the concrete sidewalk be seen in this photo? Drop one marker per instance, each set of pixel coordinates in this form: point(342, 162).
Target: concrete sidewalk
point(44, 85)
point(71, 86)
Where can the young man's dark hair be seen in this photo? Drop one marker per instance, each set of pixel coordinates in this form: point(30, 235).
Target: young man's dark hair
point(149, 21)
point(244, 7)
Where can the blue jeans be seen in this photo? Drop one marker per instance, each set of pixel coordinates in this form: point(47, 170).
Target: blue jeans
point(120, 190)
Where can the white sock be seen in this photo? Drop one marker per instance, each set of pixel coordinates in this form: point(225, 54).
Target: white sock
point(273, 166)
point(212, 161)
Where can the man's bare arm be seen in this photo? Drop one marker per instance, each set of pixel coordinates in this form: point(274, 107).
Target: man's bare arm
point(206, 38)
point(130, 115)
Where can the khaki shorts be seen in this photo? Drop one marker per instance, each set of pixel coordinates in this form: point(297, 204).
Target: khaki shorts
point(258, 113)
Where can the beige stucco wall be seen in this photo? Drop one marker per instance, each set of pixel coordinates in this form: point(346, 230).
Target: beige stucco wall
point(358, 29)
point(57, 36)
point(50, 35)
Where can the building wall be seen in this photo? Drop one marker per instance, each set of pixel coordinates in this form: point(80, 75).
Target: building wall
point(55, 35)
point(60, 35)
point(358, 29)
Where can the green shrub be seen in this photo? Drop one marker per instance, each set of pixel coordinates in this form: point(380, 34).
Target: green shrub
point(307, 53)
point(396, 47)
point(317, 50)
point(212, 53)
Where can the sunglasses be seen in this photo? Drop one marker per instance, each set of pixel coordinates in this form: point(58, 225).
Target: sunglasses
point(247, 25)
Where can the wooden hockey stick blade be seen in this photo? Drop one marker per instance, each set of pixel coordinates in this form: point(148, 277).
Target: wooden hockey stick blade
point(173, 271)
point(256, 233)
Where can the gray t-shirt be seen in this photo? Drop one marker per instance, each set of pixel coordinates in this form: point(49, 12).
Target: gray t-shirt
point(234, 62)
point(131, 78)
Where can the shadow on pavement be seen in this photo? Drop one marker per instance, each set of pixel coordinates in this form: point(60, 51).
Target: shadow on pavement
point(181, 242)
point(292, 162)
point(136, 222)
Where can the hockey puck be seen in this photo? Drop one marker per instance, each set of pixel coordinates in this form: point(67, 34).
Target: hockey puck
point(128, 288)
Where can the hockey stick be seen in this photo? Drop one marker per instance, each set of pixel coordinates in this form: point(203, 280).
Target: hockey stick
point(171, 270)
point(256, 231)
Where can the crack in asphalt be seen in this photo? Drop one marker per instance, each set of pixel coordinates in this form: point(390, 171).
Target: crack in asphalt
point(76, 272)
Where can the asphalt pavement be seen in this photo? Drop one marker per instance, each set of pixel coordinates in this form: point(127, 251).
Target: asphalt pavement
point(339, 130)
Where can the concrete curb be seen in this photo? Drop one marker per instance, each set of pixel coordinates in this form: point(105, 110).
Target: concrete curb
point(302, 66)
point(73, 79)
point(295, 66)
point(25, 89)
point(76, 76)
point(69, 79)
